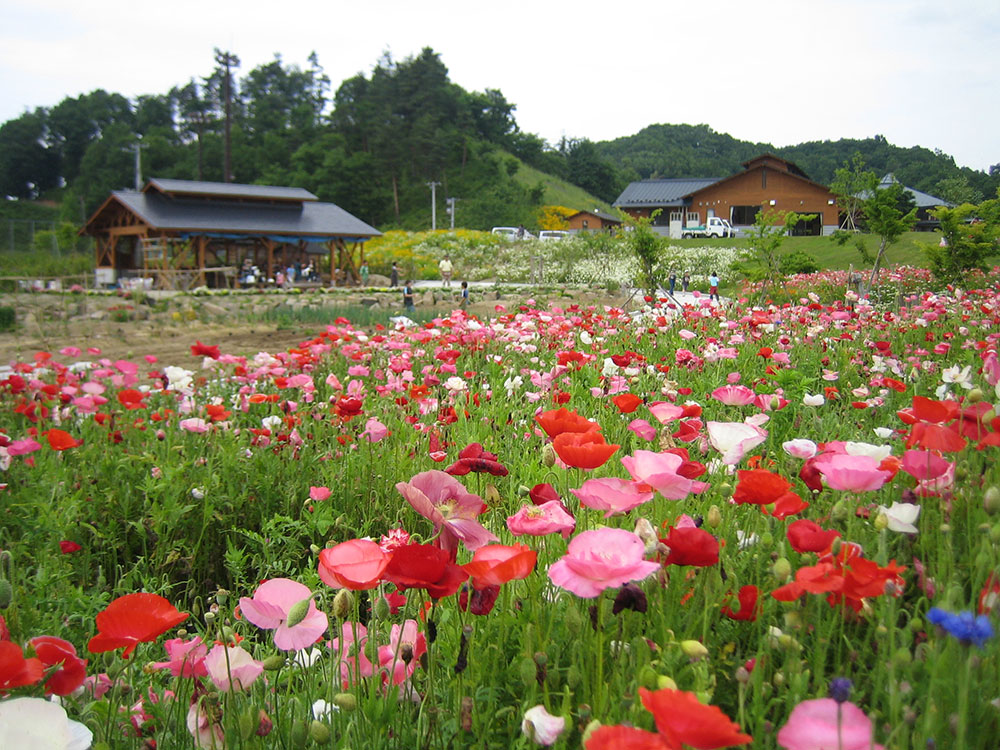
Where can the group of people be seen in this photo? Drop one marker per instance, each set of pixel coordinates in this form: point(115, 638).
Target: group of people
point(447, 270)
point(713, 283)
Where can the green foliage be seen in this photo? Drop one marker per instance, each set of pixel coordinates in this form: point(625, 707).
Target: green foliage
point(645, 244)
point(797, 262)
point(768, 233)
point(884, 217)
point(971, 235)
point(8, 318)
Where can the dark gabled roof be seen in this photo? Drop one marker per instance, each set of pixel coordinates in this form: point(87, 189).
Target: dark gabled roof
point(790, 167)
point(308, 219)
point(232, 191)
point(654, 193)
point(920, 198)
point(599, 214)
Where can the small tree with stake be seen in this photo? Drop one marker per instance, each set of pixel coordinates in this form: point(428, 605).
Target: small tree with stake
point(766, 237)
point(646, 244)
point(970, 234)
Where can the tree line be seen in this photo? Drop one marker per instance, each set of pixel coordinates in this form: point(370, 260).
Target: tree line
point(373, 145)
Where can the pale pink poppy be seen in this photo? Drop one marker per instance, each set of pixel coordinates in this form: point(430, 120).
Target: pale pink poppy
point(612, 495)
point(351, 646)
point(823, 723)
point(204, 726)
point(541, 520)
point(925, 465)
point(23, 447)
point(659, 471)
point(374, 430)
point(70, 351)
point(734, 395)
point(443, 500)
point(269, 609)
point(541, 726)
point(734, 439)
point(400, 657)
point(232, 668)
point(319, 494)
point(194, 424)
point(601, 559)
point(665, 412)
point(851, 473)
point(185, 658)
point(642, 428)
point(800, 448)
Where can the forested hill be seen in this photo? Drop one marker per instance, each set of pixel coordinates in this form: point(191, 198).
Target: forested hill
point(375, 143)
point(698, 151)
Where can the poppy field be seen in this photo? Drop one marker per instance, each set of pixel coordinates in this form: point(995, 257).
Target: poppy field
point(770, 526)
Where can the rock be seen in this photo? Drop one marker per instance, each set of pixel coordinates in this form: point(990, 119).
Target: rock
point(99, 315)
point(213, 309)
point(369, 301)
point(377, 279)
point(427, 299)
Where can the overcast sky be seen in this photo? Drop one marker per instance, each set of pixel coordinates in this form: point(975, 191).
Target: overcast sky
point(781, 71)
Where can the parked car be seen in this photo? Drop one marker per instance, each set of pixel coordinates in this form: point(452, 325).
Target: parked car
point(512, 233)
point(553, 234)
point(715, 227)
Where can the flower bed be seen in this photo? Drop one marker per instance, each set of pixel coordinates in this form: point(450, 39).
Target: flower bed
point(572, 527)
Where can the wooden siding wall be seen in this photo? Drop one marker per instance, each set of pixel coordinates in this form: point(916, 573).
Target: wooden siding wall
point(752, 188)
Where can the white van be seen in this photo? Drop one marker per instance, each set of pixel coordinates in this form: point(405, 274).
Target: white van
point(511, 233)
point(553, 234)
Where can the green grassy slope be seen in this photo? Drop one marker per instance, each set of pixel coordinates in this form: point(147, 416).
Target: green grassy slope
point(558, 192)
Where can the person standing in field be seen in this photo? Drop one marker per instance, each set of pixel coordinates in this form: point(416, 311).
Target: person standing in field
point(446, 268)
point(465, 295)
point(673, 280)
point(408, 296)
point(685, 281)
point(713, 287)
point(364, 273)
point(394, 276)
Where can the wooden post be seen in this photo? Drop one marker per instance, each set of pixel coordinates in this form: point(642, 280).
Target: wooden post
point(270, 258)
point(202, 239)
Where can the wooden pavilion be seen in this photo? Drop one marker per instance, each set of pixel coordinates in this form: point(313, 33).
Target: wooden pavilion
point(184, 234)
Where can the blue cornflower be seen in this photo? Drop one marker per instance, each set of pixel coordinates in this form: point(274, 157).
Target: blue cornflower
point(840, 689)
point(963, 625)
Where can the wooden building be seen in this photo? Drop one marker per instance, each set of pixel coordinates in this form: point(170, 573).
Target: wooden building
point(767, 182)
point(592, 221)
point(184, 234)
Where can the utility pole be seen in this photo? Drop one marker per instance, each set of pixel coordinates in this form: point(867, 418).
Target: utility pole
point(433, 187)
point(228, 60)
point(137, 148)
point(451, 209)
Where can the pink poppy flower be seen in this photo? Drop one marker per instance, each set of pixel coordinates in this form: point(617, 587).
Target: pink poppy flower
point(734, 395)
point(600, 559)
point(642, 428)
point(185, 658)
point(612, 495)
point(400, 657)
point(800, 448)
point(666, 412)
point(817, 725)
point(232, 668)
point(734, 439)
point(374, 430)
point(539, 520)
point(661, 472)
point(23, 447)
point(443, 500)
point(351, 645)
point(193, 425)
point(842, 471)
point(925, 465)
point(319, 494)
point(271, 605)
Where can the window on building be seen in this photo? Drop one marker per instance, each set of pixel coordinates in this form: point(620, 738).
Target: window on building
point(811, 228)
point(585, 224)
point(676, 216)
point(744, 215)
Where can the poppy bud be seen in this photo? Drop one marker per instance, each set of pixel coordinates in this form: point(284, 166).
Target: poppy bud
point(663, 682)
point(6, 593)
point(975, 396)
point(222, 596)
point(382, 608)
point(319, 732)
point(645, 531)
point(343, 603)
point(523, 491)
point(210, 618)
point(274, 662)
point(840, 511)
point(902, 657)
point(314, 548)
point(297, 613)
point(881, 522)
point(995, 533)
point(630, 596)
point(465, 715)
point(991, 499)
point(648, 677)
point(782, 569)
point(548, 455)
point(945, 528)
point(492, 496)
point(264, 724)
point(591, 727)
point(247, 723)
point(345, 701)
point(694, 650)
point(300, 732)
point(527, 671)
point(742, 675)
point(713, 519)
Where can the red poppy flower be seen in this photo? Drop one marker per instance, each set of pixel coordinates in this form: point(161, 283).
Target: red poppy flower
point(348, 407)
point(806, 536)
point(356, 564)
point(989, 597)
point(557, 421)
point(71, 670)
point(749, 608)
point(691, 546)
point(627, 402)
point(131, 399)
point(68, 547)
point(424, 566)
point(133, 619)
point(583, 450)
point(199, 349)
point(60, 440)
point(217, 412)
point(474, 458)
point(15, 670)
point(496, 564)
point(760, 487)
point(684, 720)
